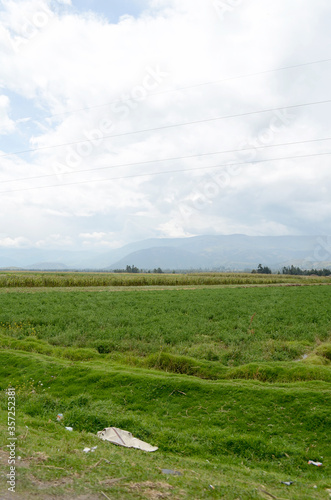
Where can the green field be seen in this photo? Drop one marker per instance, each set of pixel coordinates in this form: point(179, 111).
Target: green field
point(230, 382)
point(80, 279)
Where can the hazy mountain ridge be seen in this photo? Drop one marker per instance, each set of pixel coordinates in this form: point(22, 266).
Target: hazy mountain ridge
point(164, 257)
point(224, 252)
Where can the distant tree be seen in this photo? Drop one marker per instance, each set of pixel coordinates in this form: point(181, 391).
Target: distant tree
point(262, 269)
point(131, 269)
point(158, 270)
point(305, 272)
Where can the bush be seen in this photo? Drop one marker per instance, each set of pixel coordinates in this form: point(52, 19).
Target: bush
point(324, 350)
point(103, 347)
point(79, 354)
point(172, 363)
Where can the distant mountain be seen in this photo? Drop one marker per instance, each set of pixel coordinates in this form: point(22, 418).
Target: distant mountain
point(163, 257)
point(233, 252)
point(48, 266)
point(7, 262)
point(106, 259)
point(214, 252)
point(30, 256)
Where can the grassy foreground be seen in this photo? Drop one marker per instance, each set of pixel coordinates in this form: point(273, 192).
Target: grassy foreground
point(214, 377)
point(241, 437)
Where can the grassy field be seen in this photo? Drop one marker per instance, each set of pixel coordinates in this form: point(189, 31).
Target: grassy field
point(80, 279)
point(232, 385)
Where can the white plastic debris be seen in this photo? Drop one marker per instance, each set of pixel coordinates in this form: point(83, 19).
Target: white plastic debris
point(311, 462)
point(69, 428)
point(124, 438)
point(176, 473)
point(87, 450)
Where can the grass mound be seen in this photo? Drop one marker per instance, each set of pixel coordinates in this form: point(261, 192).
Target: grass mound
point(236, 433)
point(324, 350)
point(175, 364)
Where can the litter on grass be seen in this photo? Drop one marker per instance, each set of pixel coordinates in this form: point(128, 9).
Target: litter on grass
point(288, 483)
point(124, 438)
point(59, 417)
point(172, 472)
point(87, 450)
point(311, 462)
point(69, 428)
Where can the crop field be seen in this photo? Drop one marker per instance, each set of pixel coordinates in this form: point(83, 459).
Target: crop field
point(80, 279)
point(232, 383)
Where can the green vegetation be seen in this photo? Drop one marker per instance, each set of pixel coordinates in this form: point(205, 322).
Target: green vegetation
point(133, 278)
point(232, 385)
point(227, 327)
point(298, 271)
point(262, 270)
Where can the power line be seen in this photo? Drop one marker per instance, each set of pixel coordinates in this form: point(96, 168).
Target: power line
point(164, 127)
point(178, 89)
point(166, 172)
point(167, 159)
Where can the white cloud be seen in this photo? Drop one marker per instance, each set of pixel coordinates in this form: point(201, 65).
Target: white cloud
point(18, 242)
point(61, 60)
point(7, 125)
point(172, 229)
point(54, 241)
point(92, 236)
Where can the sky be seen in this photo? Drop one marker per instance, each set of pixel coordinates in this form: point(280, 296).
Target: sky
point(124, 120)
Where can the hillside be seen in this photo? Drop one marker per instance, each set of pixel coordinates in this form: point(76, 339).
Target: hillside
point(219, 252)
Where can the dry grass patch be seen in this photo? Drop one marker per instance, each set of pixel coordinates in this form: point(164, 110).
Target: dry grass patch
point(153, 490)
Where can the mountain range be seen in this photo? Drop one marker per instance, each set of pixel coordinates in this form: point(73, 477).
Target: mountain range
point(210, 252)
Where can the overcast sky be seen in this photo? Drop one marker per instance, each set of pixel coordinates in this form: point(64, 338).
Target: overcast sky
point(98, 100)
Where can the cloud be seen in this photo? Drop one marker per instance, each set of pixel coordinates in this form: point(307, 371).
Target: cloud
point(172, 229)
point(7, 126)
point(92, 236)
point(55, 241)
point(121, 76)
point(18, 242)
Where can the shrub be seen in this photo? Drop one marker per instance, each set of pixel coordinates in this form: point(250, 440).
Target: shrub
point(171, 363)
point(103, 346)
point(79, 354)
point(324, 350)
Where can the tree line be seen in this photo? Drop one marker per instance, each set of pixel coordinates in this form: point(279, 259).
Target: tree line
point(305, 272)
point(293, 270)
point(262, 269)
point(134, 269)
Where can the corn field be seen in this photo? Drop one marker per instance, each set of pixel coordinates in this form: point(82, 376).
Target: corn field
point(47, 279)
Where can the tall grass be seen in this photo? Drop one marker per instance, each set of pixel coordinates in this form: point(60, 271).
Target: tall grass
point(49, 279)
point(224, 326)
